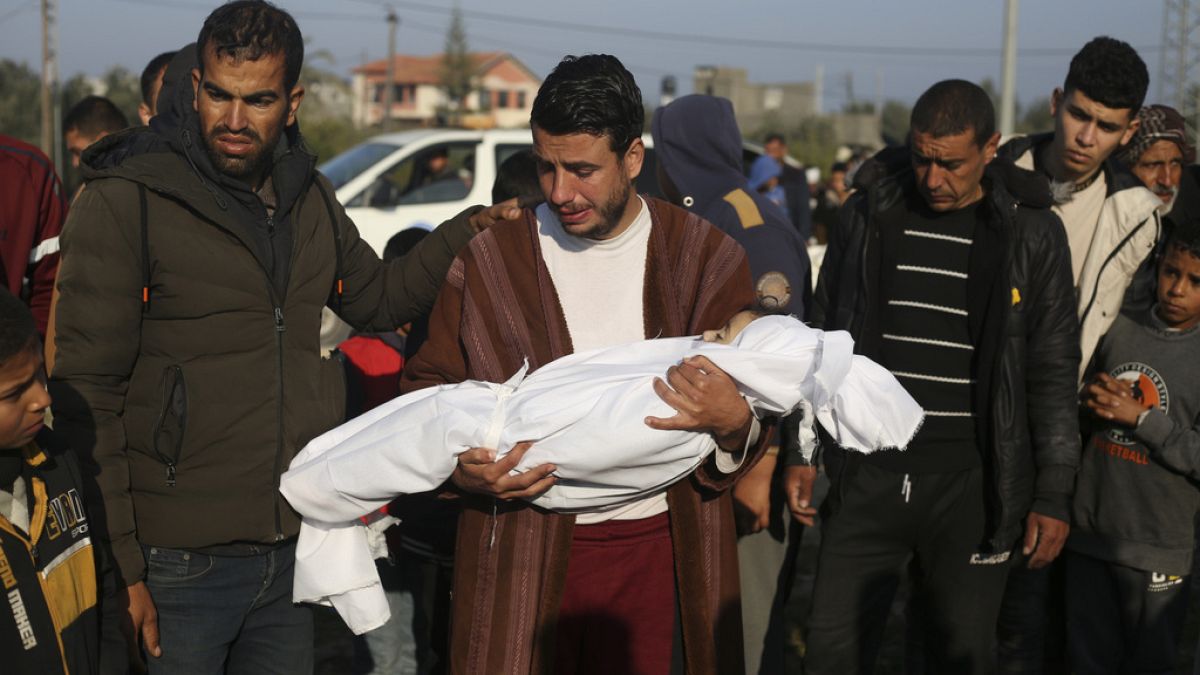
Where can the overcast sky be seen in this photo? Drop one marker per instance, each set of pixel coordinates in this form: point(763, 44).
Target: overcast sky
point(904, 46)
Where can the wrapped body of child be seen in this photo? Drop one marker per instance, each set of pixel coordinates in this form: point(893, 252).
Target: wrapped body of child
point(585, 414)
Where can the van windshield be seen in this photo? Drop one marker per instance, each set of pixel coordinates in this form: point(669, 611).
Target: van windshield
point(346, 166)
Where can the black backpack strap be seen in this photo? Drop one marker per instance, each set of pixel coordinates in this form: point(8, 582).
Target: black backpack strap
point(338, 285)
point(145, 225)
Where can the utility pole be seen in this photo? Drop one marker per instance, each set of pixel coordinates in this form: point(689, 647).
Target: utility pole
point(1008, 77)
point(879, 94)
point(49, 78)
point(388, 91)
point(818, 87)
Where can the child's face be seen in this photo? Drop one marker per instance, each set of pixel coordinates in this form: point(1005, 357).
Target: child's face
point(23, 398)
point(729, 331)
point(1179, 288)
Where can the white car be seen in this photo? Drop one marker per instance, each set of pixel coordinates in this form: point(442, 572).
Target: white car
point(396, 181)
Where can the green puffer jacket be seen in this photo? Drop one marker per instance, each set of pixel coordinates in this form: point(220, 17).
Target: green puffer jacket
point(189, 406)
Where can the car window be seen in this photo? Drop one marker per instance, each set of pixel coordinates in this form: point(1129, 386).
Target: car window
point(440, 173)
point(346, 166)
point(506, 150)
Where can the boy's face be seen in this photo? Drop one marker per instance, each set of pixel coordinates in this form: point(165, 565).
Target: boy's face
point(23, 397)
point(729, 331)
point(1086, 132)
point(1179, 288)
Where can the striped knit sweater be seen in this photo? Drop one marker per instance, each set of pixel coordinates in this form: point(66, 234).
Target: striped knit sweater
point(926, 338)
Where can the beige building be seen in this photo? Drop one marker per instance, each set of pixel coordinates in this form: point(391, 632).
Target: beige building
point(502, 93)
point(785, 104)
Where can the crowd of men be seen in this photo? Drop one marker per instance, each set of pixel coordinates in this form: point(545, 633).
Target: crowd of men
point(1038, 296)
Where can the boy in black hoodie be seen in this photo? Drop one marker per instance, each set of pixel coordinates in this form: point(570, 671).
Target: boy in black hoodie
point(48, 615)
point(1136, 499)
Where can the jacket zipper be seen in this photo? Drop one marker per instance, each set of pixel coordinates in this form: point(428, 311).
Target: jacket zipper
point(168, 396)
point(1112, 254)
point(279, 330)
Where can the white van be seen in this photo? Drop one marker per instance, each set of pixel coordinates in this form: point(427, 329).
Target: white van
point(396, 181)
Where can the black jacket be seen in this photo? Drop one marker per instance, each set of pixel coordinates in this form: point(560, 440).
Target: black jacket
point(49, 622)
point(1022, 320)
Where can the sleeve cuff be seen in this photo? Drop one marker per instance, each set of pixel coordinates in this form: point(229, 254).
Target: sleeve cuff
point(130, 563)
point(729, 462)
point(1054, 505)
point(1055, 479)
point(1154, 429)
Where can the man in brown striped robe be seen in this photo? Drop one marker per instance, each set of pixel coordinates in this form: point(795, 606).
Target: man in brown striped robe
point(650, 587)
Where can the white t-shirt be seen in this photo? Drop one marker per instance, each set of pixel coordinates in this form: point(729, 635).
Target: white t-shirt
point(600, 285)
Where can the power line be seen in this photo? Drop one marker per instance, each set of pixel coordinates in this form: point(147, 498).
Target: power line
point(877, 50)
point(17, 10)
point(208, 7)
point(517, 47)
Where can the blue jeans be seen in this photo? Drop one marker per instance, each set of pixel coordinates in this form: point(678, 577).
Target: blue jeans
point(391, 649)
point(228, 614)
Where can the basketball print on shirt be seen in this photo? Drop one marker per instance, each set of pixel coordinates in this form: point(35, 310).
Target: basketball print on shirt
point(1149, 389)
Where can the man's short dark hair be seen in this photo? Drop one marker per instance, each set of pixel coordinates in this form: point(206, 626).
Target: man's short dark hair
point(94, 116)
point(774, 136)
point(1111, 73)
point(151, 73)
point(1185, 236)
point(592, 94)
point(951, 107)
point(248, 30)
point(517, 177)
point(18, 332)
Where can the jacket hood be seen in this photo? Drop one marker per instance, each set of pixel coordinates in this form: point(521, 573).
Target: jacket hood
point(1116, 176)
point(697, 142)
point(1001, 174)
point(762, 170)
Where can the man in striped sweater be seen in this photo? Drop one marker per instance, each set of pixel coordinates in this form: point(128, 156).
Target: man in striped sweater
point(950, 269)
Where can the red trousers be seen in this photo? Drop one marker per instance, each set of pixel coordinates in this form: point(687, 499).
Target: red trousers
point(618, 606)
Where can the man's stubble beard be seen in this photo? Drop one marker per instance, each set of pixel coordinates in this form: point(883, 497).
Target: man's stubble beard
point(250, 166)
point(610, 214)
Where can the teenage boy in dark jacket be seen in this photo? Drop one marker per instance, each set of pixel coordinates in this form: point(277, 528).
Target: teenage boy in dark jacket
point(202, 252)
point(949, 269)
point(48, 618)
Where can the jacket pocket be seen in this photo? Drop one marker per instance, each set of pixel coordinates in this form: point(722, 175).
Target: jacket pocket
point(172, 420)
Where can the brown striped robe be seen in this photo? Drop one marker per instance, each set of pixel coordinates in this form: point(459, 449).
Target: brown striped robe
point(498, 308)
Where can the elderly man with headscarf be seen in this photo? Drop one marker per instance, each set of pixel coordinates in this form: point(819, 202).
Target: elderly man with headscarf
point(1158, 153)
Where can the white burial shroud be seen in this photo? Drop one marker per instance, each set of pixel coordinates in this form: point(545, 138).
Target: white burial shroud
point(585, 414)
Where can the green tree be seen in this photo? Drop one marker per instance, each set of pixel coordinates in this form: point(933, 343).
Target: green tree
point(325, 114)
point(896, 115)
point(812, 142)
point(989, 86)
point(20, 114)
point(457, 71)
point(1035, 117)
